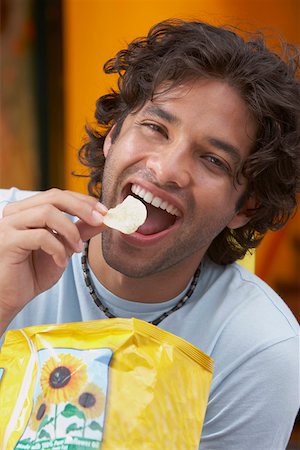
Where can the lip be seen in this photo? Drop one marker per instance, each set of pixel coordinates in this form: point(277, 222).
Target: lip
point(143, 240)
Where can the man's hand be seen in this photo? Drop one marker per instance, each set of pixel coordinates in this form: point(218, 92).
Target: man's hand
point(37, 239)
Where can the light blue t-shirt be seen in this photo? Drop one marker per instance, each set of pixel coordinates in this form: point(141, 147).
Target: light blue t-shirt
point(232, 316)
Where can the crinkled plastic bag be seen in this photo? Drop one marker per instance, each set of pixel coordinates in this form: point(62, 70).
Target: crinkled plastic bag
point(115, 384)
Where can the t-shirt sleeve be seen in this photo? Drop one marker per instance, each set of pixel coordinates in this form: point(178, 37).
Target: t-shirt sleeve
point(254, 406)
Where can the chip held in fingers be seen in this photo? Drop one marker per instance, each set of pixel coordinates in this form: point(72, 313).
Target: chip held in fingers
point(126, 217)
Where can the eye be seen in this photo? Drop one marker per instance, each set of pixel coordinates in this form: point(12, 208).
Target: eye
point(155, 128)
point(218, 163)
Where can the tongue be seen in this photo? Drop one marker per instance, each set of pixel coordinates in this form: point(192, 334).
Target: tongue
point(157, 220)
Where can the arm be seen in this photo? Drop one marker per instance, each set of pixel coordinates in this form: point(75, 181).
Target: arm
point(254, 407)
point(37, 239)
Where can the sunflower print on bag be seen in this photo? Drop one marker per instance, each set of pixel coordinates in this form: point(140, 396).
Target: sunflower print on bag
point(62, 378)
point(69, 399)
point(91, 401)
point(41, 409)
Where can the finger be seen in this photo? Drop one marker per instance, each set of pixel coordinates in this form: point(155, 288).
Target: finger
point(87, 231)
point(50, 218)
point(81, 196)
point(76, 204)
point(53, 195)
point(26, 241)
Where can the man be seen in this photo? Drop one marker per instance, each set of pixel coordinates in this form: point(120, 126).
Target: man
point(205, 130)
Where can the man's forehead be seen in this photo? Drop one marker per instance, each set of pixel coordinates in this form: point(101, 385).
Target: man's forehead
point(157, 105)
point(168, 92)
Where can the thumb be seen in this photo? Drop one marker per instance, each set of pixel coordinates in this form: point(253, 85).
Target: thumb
point(88, 231)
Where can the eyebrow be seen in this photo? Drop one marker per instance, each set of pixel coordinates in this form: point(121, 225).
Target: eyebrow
point(157, 111)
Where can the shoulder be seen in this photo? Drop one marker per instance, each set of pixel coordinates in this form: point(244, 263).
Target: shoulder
point(237, 317)
point(250, 300)
point(232, 308)
point(253, 326)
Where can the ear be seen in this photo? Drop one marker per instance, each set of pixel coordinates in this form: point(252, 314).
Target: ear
point(243, 216)
point(108, 141)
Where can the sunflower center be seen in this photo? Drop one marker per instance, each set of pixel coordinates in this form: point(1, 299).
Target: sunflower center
point(59, 377)
point(87, 400)
point(41, 411)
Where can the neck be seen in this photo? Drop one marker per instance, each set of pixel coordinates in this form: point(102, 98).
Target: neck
point(155, 288)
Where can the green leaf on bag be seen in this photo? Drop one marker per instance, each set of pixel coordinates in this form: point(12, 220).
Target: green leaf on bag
point(71, 410)
point(95, 426)
point(45, 421)
point(72, 427)
point(44, 434)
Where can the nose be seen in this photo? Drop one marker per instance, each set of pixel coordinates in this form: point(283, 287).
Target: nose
point(170, 166)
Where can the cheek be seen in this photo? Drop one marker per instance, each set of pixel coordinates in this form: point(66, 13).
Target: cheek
point(127, 150)
point(215, 201)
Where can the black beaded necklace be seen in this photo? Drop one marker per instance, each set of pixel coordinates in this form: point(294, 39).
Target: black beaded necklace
point(97, 300)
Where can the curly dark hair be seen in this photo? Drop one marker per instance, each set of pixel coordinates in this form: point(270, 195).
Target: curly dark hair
point(176, 51)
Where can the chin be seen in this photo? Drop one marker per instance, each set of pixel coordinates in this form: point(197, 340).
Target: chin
point(129, 270)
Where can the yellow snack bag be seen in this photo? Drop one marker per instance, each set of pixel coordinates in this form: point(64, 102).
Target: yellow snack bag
point(114, 384)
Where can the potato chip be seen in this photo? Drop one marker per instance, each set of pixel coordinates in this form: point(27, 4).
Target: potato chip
point(128, 216)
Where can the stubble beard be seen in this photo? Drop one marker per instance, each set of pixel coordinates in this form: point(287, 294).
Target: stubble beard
point(132, 263)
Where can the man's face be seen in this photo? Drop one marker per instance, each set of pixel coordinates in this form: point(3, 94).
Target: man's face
point(181, 152)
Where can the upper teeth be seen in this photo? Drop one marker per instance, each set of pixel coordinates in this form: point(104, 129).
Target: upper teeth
point(148, 197)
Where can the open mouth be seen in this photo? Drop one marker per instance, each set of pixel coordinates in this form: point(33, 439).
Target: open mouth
point(161, 215)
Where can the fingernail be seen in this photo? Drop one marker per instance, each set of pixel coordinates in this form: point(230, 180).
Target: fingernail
point(101, 208)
